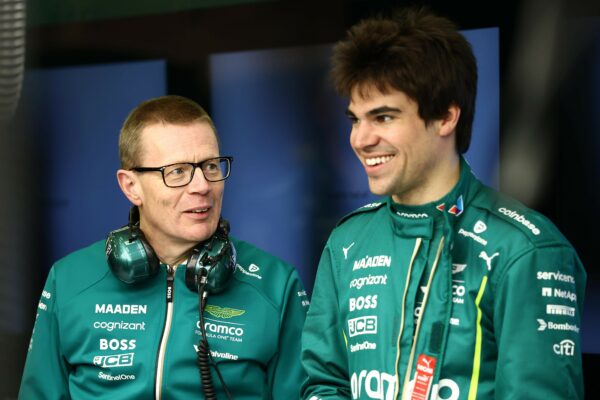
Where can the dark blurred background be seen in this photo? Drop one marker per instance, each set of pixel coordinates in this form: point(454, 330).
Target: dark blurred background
point(54, 147)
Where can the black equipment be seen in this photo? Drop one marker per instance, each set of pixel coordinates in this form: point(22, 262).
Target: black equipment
point(208, 271)
point(132, 259)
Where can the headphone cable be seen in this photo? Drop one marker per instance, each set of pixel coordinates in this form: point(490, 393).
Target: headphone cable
point(205, 359)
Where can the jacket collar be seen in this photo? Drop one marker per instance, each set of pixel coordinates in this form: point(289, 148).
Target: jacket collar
point(420, 220)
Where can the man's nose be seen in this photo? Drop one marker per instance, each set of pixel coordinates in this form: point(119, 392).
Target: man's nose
point(362, 135)
point(198, 184)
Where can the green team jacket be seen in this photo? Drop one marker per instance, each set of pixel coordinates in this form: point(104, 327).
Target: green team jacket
point(98, 338)
point(470, 297)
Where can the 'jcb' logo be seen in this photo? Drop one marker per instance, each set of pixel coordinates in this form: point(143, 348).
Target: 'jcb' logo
point(362, 325)
point(115, 360)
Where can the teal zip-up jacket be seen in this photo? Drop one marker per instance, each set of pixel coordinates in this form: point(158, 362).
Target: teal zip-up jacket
point(470, 297)
point(98, 338)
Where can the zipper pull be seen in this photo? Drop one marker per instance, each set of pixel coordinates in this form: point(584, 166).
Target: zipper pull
point(170, 282)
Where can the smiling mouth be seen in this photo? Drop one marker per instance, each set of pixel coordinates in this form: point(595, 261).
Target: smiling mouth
point(372, 161)
point(197, 211)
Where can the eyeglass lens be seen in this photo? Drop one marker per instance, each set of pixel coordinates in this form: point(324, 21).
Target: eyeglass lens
point(214, 170)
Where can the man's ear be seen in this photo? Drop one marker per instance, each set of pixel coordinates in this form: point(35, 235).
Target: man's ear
point(130, 186)
point(449, 122)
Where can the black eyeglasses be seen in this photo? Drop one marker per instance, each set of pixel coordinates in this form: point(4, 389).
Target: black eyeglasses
point(181, 174)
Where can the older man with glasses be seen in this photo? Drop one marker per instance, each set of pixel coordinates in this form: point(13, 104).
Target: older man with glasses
point(170, 301)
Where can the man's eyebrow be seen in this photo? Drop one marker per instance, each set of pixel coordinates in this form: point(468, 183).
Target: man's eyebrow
point(382, 110)
point(375, 111)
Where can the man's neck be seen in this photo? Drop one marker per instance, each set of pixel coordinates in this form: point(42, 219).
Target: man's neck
point(441, 180)
point(171, 254)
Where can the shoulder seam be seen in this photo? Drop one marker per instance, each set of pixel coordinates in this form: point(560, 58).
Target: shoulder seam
point(511, 262)
point(366, 208)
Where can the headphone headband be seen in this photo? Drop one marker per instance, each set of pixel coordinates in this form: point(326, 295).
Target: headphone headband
point(132, 259)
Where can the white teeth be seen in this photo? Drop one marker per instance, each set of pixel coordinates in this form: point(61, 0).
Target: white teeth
point(200, 210)
point(377, 160)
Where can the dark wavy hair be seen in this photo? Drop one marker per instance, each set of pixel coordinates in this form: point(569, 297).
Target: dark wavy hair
point(418, 53)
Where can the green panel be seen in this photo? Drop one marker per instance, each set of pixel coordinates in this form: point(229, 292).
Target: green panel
point(45, 12)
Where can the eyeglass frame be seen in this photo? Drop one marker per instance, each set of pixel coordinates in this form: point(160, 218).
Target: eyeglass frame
point(194, 165)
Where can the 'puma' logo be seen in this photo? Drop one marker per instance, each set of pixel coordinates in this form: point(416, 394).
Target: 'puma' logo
point(345, 250)
point(488, 259)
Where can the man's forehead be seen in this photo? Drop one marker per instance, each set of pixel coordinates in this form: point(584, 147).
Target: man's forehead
point(165, 132)
point(366, 97)
point(164, 138)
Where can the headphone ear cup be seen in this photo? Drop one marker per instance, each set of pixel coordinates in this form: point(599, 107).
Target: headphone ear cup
point(194, 271)
point(218, 275)
point(130, 257)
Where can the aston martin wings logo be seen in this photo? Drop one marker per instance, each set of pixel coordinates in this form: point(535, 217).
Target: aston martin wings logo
point(223, 312)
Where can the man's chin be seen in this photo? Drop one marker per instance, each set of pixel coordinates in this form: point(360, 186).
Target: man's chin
point(201, 236)
point(377, 189)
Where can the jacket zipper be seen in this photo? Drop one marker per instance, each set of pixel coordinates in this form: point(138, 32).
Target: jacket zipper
point(160, 359)
point(405, 391)
point(412, 260)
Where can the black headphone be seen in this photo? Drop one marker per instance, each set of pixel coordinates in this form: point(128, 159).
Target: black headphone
point(132, 259)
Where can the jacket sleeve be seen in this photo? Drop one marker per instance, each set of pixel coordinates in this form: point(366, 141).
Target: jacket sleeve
point(537, 317)
point(284, 371)
point(45, 375)
point(324, 354)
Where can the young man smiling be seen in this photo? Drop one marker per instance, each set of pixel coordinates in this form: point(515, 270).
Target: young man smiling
point(445, 289)
point(125, 324)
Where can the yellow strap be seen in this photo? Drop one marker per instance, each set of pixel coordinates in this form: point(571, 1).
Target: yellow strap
point(478, 339)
